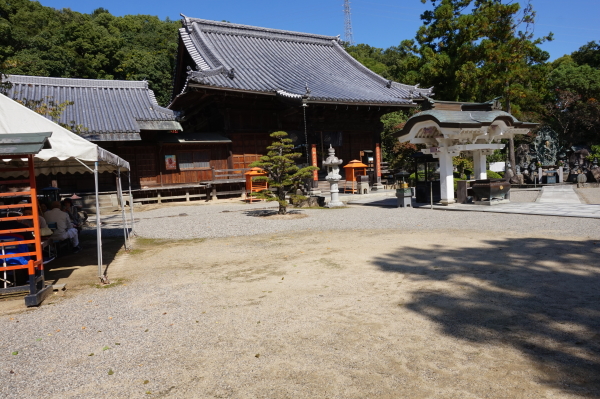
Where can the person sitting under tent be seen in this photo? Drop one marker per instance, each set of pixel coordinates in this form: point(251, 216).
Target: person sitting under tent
point(73, 213)
point(64, 227)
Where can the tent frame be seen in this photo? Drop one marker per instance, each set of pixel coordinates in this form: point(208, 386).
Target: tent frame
point(102, 275)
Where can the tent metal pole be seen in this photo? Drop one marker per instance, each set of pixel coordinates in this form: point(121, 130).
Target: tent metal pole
point(122, 203)
point(98, 226)
point(132, 233)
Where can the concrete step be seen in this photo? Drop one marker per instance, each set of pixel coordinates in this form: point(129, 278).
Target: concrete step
point(108, 203)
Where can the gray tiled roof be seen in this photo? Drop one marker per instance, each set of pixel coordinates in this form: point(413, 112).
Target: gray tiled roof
point(469, 118)
point(288, 64)
point(109, 109)
point(463, 120)
point(12, 144)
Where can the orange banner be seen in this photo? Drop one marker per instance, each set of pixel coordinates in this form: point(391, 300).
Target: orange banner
point(314, 161)
point(378, 160)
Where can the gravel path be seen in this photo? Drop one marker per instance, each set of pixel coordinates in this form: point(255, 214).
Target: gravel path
point(225, 220)
point(589, 195)
point(521, 196)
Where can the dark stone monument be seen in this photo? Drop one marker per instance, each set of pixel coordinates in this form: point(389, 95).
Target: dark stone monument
point(578, 162)
point(546, 146)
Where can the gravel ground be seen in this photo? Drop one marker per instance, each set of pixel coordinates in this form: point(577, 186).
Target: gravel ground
point(524, 195)
point(368, 311)
point(589, 195)
point(232, 219)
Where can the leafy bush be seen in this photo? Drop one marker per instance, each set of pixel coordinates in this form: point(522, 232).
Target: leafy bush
point(493, 175)
point(594, 154)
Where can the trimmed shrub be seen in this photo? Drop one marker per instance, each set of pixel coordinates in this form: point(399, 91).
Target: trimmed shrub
point(493, 175)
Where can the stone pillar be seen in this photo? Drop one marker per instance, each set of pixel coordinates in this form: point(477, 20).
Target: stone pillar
point(377, 183)
point(479, 166)
point(561, 172)
point(446, 177)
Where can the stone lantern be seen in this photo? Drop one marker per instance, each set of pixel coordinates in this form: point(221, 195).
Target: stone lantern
point(333, 177)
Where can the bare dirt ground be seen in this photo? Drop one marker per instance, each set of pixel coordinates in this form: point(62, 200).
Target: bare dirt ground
point(345, 314)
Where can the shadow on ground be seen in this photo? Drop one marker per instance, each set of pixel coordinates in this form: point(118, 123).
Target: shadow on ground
point(540, 296)
point(84, 263)
point(272, 212)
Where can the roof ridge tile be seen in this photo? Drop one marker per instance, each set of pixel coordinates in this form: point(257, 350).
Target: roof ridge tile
point(77, 82)
point(249, 30)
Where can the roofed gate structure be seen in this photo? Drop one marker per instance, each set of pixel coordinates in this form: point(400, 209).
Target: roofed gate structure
point(245, 82)
point(448, 129)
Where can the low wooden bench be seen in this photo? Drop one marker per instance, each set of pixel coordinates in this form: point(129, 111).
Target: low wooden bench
point(227, 176)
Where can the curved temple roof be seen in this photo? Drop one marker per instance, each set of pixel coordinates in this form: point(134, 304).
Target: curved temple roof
point(461, 117)
point(292, 64)
point(108, 109)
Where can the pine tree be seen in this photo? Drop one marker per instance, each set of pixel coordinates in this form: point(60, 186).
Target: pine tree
point(283, 174)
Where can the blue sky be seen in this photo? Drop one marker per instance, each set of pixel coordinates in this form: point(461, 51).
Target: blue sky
point(379, 23)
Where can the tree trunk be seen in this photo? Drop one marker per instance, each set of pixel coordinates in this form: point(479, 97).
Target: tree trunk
point(281, 200)
point(512, 159)
point(511, 149)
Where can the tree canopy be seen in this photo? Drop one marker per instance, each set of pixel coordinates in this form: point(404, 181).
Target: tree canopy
point(283, 175)
point(476, 50)
point(42, 41)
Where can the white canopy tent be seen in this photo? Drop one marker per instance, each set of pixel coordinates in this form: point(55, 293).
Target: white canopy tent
point(69, 153)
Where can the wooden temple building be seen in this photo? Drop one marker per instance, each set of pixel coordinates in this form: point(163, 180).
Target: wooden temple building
point(244, 82)
point(233, 86)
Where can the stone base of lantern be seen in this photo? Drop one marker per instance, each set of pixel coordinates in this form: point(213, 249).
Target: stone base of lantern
point(334, 204)
point(363, 187)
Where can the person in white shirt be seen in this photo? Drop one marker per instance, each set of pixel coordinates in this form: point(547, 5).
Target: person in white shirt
point(29, 223)
point(64, 227)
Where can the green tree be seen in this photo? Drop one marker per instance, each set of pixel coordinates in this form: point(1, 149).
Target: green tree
point(65, 43)
point(588, 54)
point(283, 174)
point(5, 85)
point(573, 106)
point(398, 155)
point(474, 50)
point(372, 57)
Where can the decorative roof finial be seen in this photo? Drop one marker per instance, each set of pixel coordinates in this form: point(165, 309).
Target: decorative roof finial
point(307, 89)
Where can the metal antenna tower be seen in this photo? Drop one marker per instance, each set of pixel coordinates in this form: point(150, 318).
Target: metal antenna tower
point(348, 23)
